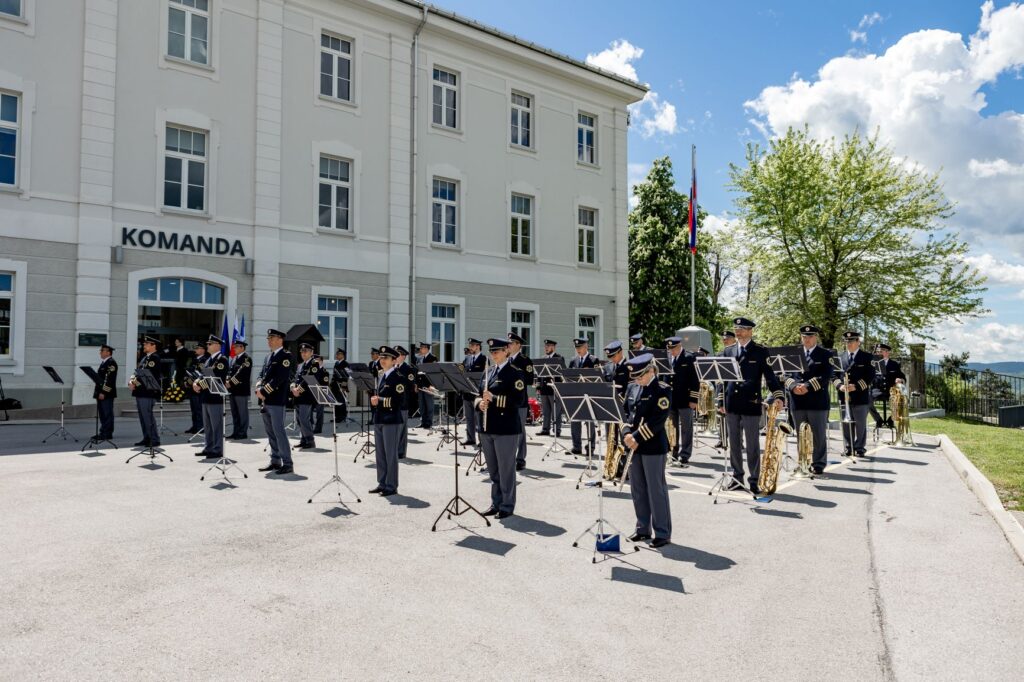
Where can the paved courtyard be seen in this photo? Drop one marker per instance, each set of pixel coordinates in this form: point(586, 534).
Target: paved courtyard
point(888, 568)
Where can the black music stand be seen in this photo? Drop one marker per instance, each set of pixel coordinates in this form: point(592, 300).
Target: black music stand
point(215, 385)
point(475, 378)
point(61, 431)
point(195, 375)
point(324, 396)
point(662, 363)
point(364, 381)
point(95, 440)
point(552, 369)
point(435, 376)
point(145, 378)
point(785, 360)
point(453, 377)
point(160, 428)
point(724, 370)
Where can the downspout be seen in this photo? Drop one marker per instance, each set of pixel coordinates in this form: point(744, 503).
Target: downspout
point(413, 159)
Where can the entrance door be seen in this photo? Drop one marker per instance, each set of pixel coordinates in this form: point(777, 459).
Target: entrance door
point(177, 307)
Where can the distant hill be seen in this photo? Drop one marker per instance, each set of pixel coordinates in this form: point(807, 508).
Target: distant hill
point(1013, 368)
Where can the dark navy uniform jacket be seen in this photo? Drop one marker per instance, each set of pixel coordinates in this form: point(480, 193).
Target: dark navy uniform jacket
point(312, 369)
point(816, 376)
point(107, 385)
point(685, 382)
point(586, 362)
point(889, 373)
point(339, 379)
point(649, 415)
point(392, 388)
point(618, 375)
point(219, 364)
point(275, 378)
point(240, 377)
point(508, 385)
point(544, 384)
point(152, 363)
point(744, 397)
point(524, 365)
point(861, 373)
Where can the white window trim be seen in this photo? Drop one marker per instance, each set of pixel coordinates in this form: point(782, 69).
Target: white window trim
point(26, 92)
point(15, 362)
point(229, 285)
point(460, 316)
point(519, 187)
point(187, 119)
point(598, 332)
point(532, 147)
point(349, 153)
point(165, 61)
point(356, 38)
point(460, 102)
point(352, 353)
point(591, 206)
point(26, 23)
point(534, 310)
point(446, 172)
point(597, 138)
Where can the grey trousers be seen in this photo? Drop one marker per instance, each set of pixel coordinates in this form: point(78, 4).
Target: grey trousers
point(683, 421)
point(304, 417)
point(552, 410)
point(500, 455)
point(147, 421)
point(471, 420)
point(859, 429)
point(818, 419)
point(240, 415)
point(273, 424)
point(403, 436)
point(385, 442)
point(105, 408)
point(521, 448)
point(649, 490)
point(426, 409)
point(576, 430)
point(213, 428)
point(744, 430)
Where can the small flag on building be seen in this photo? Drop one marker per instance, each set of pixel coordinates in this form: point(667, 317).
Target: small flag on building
point(693, 203)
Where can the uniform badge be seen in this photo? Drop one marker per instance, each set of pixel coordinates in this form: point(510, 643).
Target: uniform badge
point(151, 364)
point(400, 388)
point(220, 365)
point(663, 402)
point(411, 377)
point(286, 363)
point(520, 385)
point(529, 368)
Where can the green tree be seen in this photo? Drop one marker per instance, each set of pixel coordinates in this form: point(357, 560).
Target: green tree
point(993, 387)
point(845, 235)
point(955, 365)
point(659, 259)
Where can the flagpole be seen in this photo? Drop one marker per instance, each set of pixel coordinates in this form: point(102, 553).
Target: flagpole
point(693, 220)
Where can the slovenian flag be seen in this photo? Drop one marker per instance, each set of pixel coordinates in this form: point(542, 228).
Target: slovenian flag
point(693, 202)
point(234, 336)
point(224, 331)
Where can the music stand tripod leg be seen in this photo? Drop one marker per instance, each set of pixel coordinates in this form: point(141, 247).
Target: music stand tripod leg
point(336, 478)
point(452, 508)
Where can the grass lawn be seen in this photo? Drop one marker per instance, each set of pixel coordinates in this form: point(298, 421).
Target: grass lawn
point(998, 453)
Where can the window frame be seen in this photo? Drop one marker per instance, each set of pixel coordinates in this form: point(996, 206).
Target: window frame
point(594, 230)
point(351, 57)
point(457, 88)
point(181, 302)
point(593, 128)
point(190, 157)
point(531, 111)
point(459, 303)
point(23, 22)
point(332, 341)
point(352, 295)
point(534, 324)
point(14, 362)
point(18, 127)
point(598, 316)
point(515, 216)
point(335, 184)
point(190, 13)
point(445, 203)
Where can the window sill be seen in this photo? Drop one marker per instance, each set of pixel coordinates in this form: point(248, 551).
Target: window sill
point(8, 362)
point(519, 256)
point(454, 133)
point(19, 20)
point(12, 189)
point(529, 152)
point(340, 104)
point(186, 65)
point(171, 210)
point(334, 232)
point(588, 266)
point(583, 165)
point(445, 247)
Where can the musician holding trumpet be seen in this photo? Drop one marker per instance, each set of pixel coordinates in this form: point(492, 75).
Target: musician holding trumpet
point(504, 389)
point(645, 436)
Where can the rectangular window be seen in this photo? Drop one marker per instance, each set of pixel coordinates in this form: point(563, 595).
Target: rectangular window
point(6, 312)
point(521, 120)
point(11, 7)
point(586, 236)
point(332, 321)
point(444, 212)
point(185, 168)
point(8, 138)
point(586, 138)
point(522, 324)
point(188, 30)
point(522, 225)
point(335, 67)
point(335, 193)
point(445, 99)
point(442, 331)
point(586, 328)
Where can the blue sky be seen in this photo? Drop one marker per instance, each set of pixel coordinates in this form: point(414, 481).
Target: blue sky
point(942, 81)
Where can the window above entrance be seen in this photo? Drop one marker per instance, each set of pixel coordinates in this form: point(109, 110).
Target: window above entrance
point(180, 290)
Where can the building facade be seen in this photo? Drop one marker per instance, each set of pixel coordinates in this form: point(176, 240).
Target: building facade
point(389, 172)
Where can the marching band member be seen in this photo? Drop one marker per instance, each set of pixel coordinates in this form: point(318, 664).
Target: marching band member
point(473, 362)
point(859, 375)
point(549, 405)
point(743, 402)
point(144, 398)
point(240, 387)
point(389, 404)
point(272, 389)
point(105, 392)
point(889, 374)
point(195, 401)
point(406, 372)
point(646, 436)
point(504, 388)
point(304, 400)
point(728, 338)
point(636, 343)
point(339, 384)
point(685, 392)
point(213, 404)
point(615, 370)
point(810, 401)
point(523, 364)
point(318, 409)
point(582, 360)
point(426, 398)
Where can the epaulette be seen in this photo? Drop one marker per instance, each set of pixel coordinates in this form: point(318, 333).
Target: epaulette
point(664, 385)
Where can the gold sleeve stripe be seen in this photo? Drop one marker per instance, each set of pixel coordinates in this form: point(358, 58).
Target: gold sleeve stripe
point(815, 384)
point(862, 384)
point(790, 382)
point(837, 383)
point(268, 389)
point(777, 394)
point(694, 394)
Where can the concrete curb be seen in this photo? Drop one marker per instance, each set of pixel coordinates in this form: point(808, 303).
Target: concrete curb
point(986, 494)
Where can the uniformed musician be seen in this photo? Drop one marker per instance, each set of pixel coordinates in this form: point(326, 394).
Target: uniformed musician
point(473, 362)
point(105, 392)
point(318, 409)
point(389, 402)
point(518, 358)
point(728, 338)
point(239, 385)
point(551, 408)
point(426, 398)
point(809, 400)
point(195, 401)
point(145, 398)
point(645, 435)
point(888, 375)
point(213, 404)
point(582, 360)
point(408, 374)
point(685, 391)
point(504, 388)
point(303, 397)
point(339, 385)
point(272, 390)
point(637, 344)
point(743, 402)
point(854, 379)
point(374, 366)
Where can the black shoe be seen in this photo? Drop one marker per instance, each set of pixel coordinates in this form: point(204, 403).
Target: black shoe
point(308, 446)
point(576, 451)
point(502, 515)
point(204, 454)
point(389, 493)
point(401, 457)
point(191, 431)
point(142, 444)
point(639, 537)
point(285, 470)
point(468, 442)
point(543, 433)
point(818, 470)
point(754, 491)
point(491, 511)
point(520, 466)
point(659, 542)
point(376, 490)
point(270, 467)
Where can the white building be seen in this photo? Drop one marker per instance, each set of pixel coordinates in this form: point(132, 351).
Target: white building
point(389, 171)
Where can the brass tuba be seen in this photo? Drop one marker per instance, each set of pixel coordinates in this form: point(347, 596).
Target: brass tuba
point(771, 456)
point(706, 407)
point(613, 453)
point(899, 406)
point(804, 451)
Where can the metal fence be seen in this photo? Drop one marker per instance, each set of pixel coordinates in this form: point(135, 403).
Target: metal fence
point(970, 393)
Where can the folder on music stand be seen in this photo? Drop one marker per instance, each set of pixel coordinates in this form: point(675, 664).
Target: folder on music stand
point(582, 375)
point(718, 369)
point(787, 359)
point(548, 368)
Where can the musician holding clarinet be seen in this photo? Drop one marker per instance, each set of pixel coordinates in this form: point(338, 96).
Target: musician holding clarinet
point(504, 389)
point(389, 402)
point(272, 390)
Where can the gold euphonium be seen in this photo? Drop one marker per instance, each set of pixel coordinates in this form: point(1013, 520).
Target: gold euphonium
point(804, 451)
point(706, 405)
point(771, 456)
point(899, 406)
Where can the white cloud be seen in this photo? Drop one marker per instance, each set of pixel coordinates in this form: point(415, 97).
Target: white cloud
point(635, 174)
point(858, 37)
point(618, 58)
point(716, 224)
point(870, 20)
point(924, 94)
point(986, 341)
point(998, 271)
point(651, 115)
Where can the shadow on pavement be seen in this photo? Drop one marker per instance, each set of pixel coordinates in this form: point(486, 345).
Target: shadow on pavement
point(658, 581)
point(489, 545)
point(764, 511)
point(892, 460)
point(406, 501)
point(836, 476)
point(705, 561)
point(837, 489)
point(809, 501)
point(522, 524)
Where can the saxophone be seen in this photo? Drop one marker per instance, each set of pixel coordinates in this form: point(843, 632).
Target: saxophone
point(899, 406)
point(771, 457)
point(613, 453)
